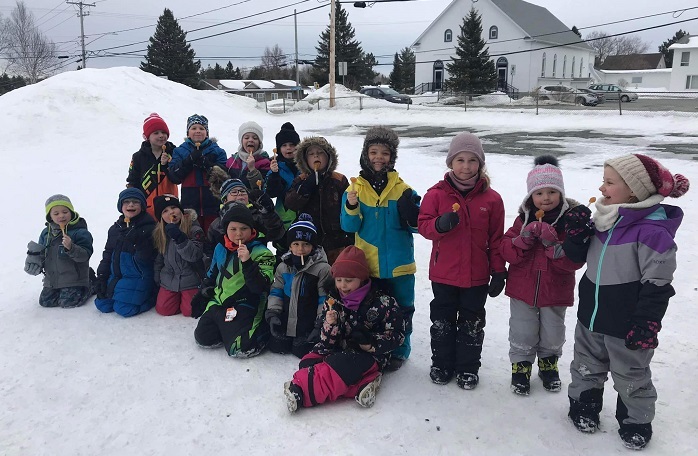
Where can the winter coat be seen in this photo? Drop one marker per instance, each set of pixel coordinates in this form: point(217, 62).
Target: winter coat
point(378, 317)
point(66, 268)
point(277, 185)
point(297, 296)
point(323, 205)
point(467, 255)
point(147, 174)
point(181, 267)
point(629, 270)
point(128, 259)
point(380, 231)
point(536, 277)
point(237, 168)
point(196, 193)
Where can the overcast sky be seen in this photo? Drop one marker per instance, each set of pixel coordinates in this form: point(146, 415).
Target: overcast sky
point(382, 29)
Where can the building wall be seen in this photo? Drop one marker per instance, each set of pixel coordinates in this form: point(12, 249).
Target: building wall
point(636, 79)
point(679, 73)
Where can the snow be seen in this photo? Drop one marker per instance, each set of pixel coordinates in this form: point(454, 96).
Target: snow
point(286, 82)
point(236, 84)
point(692, 43)
point(78, 382)
point(262, 84)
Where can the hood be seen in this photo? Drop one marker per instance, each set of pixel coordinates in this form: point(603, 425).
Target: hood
point(663, 215)
point(192, 215)
point(379, 135)
point(322, 143)
point(216, 177)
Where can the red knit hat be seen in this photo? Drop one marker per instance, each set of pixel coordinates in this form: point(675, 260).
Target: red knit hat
point(153, 123)
point(646, 176)
point(351, 263)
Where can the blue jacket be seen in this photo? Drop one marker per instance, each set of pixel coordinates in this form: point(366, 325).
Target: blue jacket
point(277, 185)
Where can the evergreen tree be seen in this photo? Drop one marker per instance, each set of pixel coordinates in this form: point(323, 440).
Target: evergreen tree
point(169, 54)
point(206, 73)
point(471, 71)
point(237, 74)
point(664, 48)
point(218, 72)
point(576, 31)
point(347, 49)
point(395, 77)
point(408, 63)
point(229, 70)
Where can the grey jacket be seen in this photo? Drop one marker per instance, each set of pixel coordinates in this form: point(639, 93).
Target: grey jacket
point(182, 267)
point(67, 268)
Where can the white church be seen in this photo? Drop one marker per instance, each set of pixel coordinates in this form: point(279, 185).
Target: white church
point(529, 46)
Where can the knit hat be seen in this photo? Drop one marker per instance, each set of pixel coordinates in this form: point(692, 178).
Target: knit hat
point(287, 134)
point(465, 142)
point(197, 119)
point(380, 135)
point(153, 123)
point(131, 193)
point(58, 200)
point(302, 230)
point(229, 185)
point(250, 127)
point(646, 176)
point(238, 213)
point(163, 201)
point(351, 263)
point(545, 174)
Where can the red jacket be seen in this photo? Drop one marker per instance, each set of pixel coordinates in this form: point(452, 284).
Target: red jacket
point(467, 255)
point(534, 278)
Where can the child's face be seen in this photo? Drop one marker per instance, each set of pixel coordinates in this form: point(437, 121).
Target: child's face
point(378, 156)
point(250, 142)
point(238, 194)
point(157, 139)
point(131, 207)
point(346, 285)
point(288, 150)
point(60, 215)
point(197, 133)
point(546, 199)
point(316, 158)
point(465, 165)
point(301, 248)
point(238, 232)
point(172, 214)
point(613, 188)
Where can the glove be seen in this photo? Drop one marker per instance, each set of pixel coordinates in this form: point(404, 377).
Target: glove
point(266, 203)
point(195, 155)
point(314, 336)
point(527, 239)
point(407, 207)
point(275, 325)
point(360, 337)
point(34, 261)
point(200, 300)
point(307, 186)
point(548, 234)
point(173, 231)
point(100, 287)
point(497, 284)
point(578, 224)
point(447, 221)
point(209, 161)
point(643, 336)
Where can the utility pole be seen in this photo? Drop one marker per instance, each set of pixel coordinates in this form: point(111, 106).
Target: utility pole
point(298, 76)
point(81, 15)
point(333, 6)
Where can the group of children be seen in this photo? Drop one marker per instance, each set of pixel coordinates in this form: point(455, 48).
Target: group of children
point(339, 292)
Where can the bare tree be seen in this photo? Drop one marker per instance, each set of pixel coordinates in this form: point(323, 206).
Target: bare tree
point(274, 63)
point(28, 51)
point(604, 45)
point(601, 44)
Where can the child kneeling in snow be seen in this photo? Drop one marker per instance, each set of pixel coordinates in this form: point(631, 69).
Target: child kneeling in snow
point(362, 326)
point(232, 299)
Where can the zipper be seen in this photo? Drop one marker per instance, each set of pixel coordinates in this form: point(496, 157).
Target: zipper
point(598, 274)
point(535, 297)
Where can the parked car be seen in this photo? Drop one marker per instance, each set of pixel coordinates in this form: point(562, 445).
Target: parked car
point(613, 92)
point(386, 93)
point(567, 94)
point(598, 95)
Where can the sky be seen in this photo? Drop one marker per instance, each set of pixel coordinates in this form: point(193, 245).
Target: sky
point(383, 29)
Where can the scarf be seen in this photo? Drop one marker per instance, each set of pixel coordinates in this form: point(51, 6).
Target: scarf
point(377, 180)
point(353, 300)
point(606, 215)
point(463, 186)
point(232, 246)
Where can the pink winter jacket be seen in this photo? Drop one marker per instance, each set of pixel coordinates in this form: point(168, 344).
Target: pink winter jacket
point(467, 255)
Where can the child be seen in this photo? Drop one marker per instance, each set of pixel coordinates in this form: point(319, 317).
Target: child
point(382, 210)
point(361, 326)
point(624, 293)
point(250, 163)
point(191, 163)
point(179, 266)
point(317, 191)
point(125, 275)
point(63, 254)
point(541, 278)
point(298, 290)
point(464, 219)
point(232, 299)
point(148, 169)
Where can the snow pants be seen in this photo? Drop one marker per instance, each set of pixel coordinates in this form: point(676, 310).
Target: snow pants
point(402, 289)
point(173, 302)
point(535, 331)
point(243, 337)
point(66, 297)
point(125, 309)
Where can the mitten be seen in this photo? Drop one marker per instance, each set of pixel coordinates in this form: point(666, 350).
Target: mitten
point(172, 230)
point(407, 207)
point(578, 223)
point(548, 235)
point(314, 336)
point(525, 241)
point(34, 261)
point(497, 284)
point(643, 336)
point(308, 186)
point(275, 325)
point(200, 300)
point(360, 337)
point(209, 161)
point(195, 155)
point(447, 221)
point(99, 287)
point(266, 203)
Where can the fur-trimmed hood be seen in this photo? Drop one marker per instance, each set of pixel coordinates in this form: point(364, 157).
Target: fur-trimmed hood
point(322, 143)
point(216, 177)
point(380, 135)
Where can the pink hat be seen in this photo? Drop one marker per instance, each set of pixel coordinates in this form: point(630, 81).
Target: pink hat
point(465, 142)
point(646, 176)
point(153, 123)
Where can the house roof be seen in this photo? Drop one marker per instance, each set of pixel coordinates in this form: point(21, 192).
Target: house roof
point(633, 62)
point(251, 84)
point(685, 43)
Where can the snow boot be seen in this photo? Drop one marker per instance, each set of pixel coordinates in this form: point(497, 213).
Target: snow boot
point(294, 396)
point(366, 396)
point(440, 376)
point(584, 413)
point(547, 371)
point(521, 378)
point(394, 364)
point(467, 380)
point(635, 436)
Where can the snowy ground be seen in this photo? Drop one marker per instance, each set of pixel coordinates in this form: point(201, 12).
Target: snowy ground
point(77, 382)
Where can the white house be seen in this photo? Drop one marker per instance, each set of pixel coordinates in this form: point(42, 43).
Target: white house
point(530, 46)
point(684, 67)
